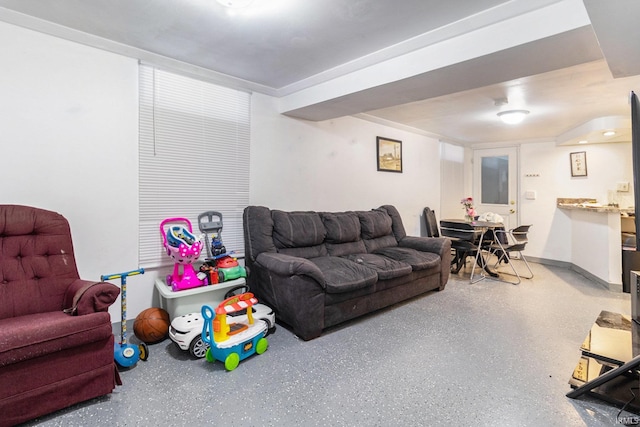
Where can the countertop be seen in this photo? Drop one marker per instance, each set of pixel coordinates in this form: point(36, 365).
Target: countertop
point(590, 205)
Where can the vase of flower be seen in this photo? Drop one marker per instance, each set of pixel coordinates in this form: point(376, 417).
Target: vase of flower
point(469, 210)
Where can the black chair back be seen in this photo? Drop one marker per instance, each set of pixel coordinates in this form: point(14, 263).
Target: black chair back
point(520, 233)
point(431, 223)
point(458, 230)
point(519, 237)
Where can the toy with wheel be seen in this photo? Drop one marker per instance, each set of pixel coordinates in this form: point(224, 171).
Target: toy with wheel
point(220, 265)
point(186, 330)
point(126, 355)
point(184, 248)
point(260, 311)
point(210, 223)
point(231, 343)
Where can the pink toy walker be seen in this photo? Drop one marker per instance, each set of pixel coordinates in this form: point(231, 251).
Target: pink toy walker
point(184, 248)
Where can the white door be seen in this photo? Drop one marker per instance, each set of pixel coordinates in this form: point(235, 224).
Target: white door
point(495, 183)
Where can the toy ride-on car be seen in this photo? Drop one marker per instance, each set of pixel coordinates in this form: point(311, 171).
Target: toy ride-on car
point(186, 330)
point(231, 343)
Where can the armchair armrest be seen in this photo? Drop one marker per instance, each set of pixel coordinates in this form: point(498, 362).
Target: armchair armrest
point(84, 297)
point(288, 265)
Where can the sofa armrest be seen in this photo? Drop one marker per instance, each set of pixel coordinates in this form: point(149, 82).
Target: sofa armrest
point(84, 297)
point(288, 265)
point(438, 245)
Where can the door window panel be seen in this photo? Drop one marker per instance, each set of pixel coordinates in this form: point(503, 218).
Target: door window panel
point(495, 180)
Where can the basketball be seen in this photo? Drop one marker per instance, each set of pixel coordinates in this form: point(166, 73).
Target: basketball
point(151, 325)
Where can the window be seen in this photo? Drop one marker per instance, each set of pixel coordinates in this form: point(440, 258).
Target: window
point(194, 157)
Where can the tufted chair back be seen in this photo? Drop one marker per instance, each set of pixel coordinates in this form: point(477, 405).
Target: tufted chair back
point(36, 260)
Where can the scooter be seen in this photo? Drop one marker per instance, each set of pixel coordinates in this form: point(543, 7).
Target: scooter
point(126, 355)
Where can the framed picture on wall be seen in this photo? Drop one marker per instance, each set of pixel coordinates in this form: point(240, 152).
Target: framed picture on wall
point(389, 154)
point(578, 163)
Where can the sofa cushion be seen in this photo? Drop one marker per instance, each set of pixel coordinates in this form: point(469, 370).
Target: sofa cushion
point(297, 229)
point(342, 275)
point(398, 228)
point(418, 260)
point(305, 252)
point(342, 227)
point(373, 245)
point(386, 268)
point(341, 249)
point(374, 223)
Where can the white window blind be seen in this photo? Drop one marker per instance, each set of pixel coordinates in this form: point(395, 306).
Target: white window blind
point(194, 157)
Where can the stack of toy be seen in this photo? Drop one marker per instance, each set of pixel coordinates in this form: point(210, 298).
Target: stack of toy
point(184, 248)
point(220, 266)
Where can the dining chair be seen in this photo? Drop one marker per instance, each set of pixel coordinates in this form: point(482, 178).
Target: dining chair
point(431, 223)
point(512, 241)
point(432, 231)
point(464, 241)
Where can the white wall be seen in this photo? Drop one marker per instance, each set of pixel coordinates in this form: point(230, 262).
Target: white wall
point(550, 177)
point(69, 143)
point(607, 164)
point(69, 120)
point(69, 126)
point(331, 165)
point(456, 179)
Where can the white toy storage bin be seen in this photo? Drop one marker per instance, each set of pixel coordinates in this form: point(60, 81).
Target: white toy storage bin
point(191, 300)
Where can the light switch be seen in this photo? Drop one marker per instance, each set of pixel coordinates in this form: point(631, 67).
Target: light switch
point(530, 195)
point(623, 186)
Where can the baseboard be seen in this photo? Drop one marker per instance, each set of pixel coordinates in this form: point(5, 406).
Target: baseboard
point(551, 262)
point(614, 287)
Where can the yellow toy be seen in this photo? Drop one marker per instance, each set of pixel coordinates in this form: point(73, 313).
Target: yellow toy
point(232, 342)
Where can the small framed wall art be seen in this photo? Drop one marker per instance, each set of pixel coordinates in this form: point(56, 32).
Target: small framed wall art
point(389, 154)
point(578, 163)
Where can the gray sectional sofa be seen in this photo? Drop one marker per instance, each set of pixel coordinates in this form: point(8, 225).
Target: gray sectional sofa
point(319, 269)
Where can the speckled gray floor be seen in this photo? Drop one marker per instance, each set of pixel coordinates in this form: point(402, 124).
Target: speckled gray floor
point(488, 354)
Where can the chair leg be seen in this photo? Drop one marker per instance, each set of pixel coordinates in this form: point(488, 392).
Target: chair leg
point(459, 261)
point(515, 272)
point(454, 262)
point(501, 256)
point(528, 267)
point(482, 264)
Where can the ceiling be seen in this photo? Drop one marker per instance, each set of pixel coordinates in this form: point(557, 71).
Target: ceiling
point(443, 69)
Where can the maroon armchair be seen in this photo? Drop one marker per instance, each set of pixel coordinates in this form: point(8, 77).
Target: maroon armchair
point(56, 341)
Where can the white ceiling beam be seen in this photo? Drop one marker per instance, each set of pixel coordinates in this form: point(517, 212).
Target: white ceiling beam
point(556, 18)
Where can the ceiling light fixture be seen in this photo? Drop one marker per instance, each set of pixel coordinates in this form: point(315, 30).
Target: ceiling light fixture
point(609, 133)
point(513, 117)
point(235, 4)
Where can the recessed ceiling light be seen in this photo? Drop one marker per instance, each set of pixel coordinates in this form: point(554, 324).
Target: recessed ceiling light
point(235, 4)
point(609, 133)
point(513, 117)
point(583, 141)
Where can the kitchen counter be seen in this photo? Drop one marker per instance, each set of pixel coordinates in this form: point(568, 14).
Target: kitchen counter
point(590, 205)
point(596, 240)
